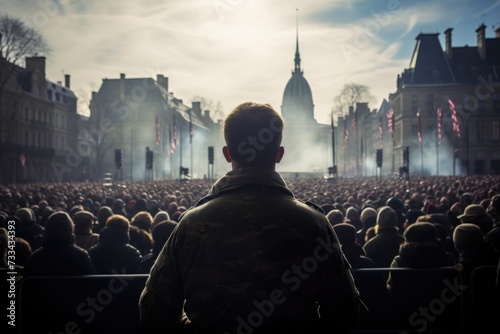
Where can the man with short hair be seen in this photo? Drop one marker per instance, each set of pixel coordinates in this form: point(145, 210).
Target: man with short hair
point(250, 257)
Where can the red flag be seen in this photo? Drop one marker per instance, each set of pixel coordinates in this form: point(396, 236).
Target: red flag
point(173, 145)
point(346, 134)
point(380, 131)
point(22, 158)
point(390, 121)
point(439, 123)
point(191, 130)
point(355, 123)
point(456, 127)
point(419, 128)
point(157, 131)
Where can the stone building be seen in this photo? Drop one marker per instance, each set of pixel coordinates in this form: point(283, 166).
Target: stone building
point(39, 125)
point(464, 141)
point(136, 115)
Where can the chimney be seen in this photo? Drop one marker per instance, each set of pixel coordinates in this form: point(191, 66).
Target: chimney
point(497, 33)
point(447, 34)
point(351, 110)
point(122, 86)
point(162, 81)
point(207, 114)
point(481, 41)
point(196, 107)
point(67, 80)
point(36, 63)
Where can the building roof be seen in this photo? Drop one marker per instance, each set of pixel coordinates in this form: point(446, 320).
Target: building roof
point(141, 90)
point(430, 65)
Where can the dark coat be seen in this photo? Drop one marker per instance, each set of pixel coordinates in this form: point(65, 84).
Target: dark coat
point(113, 254)
point(383, 247)
point(59, 257)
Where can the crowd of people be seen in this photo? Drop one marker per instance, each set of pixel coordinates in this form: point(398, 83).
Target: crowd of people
point(381, 222)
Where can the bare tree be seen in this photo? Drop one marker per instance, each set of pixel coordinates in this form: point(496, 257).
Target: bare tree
point(350, 94)
point(17, 40)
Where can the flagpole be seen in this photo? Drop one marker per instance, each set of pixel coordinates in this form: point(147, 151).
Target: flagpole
point(180, 151)
point(437, 157)
point(333, 144)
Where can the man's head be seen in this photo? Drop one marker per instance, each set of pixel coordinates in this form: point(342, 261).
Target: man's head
point(253, 134)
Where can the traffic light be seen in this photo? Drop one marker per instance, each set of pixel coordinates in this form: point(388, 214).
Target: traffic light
point(210, 154)
point(184, 171)
point(149, 158)
point(118, 158)
point(379, 157)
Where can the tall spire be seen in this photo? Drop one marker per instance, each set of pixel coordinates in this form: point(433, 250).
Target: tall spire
point(297, 55)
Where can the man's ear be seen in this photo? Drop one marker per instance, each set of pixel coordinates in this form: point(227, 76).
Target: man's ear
point(227, 155)
point(279, 155)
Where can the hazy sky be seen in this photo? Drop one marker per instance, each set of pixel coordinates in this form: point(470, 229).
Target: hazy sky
point(233, 51)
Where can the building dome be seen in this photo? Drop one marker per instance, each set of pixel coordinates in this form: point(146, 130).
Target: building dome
point(297, 105)
point(297, 90)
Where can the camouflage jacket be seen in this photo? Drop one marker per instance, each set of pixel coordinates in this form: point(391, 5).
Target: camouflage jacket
point(250, 258)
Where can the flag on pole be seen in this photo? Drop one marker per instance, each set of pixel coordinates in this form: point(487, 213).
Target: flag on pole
point(346, 134)
point(456, 127)
point(380, 131)
point(355, 123)
point(390, 121)
point(191, 130)
point(331, 125)
point(173, 145)
point(439, 124)
point(157, 122)
point(22, 158)
point(419, 129)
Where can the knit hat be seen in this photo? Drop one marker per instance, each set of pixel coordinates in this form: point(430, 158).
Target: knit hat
point(335, 217)
point(83, 219)
point(26, 215)
point(421, 232)
point(386, 218)
point(367, 213)
point(467, 236)
point(59, 225)
point(471, 212)
point(346, 234)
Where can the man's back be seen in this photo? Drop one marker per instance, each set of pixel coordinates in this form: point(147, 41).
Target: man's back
point(252, 257)
point(249, 257)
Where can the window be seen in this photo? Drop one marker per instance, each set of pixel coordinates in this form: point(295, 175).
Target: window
point(480, 131)
point(26, 114)
point(495, 131)
point(414, 104)
point(430, 104)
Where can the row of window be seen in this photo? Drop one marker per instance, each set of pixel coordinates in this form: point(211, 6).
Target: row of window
point(46, 118)
point(473, 104)
point(43, 140)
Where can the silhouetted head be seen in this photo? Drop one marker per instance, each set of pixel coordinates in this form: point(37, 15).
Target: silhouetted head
point(253, 134)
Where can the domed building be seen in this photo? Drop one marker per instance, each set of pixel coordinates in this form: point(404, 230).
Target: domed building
point(307, 143)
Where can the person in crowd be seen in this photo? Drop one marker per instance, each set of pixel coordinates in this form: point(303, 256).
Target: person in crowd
point(102, 216)
point(113, 253)
point(141, 239)
point(84, 235)
point(473, 250)
point(335, 217)
point(143, 220)
point(476, 214)
point(493, 210)
point(250, 242)
point(353, 216)
point(160, 217)
point(384, 246)
point(59, 256)
point(161, 233)
point(368, 219)
point(29, 229)
point(353, 251)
